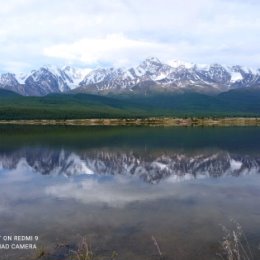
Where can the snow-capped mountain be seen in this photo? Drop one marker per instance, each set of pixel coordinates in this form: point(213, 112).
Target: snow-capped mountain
point(45, 80)
point(179, 76)
point(73, 76)
point(9, 81)
point(149, 167)
point(151, 74)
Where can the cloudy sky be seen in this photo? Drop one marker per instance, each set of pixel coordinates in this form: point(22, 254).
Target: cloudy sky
point(94, 33)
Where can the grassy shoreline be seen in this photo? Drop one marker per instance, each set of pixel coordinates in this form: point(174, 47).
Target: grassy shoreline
point(151, 121)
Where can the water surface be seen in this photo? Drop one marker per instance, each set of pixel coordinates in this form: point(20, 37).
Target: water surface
point(121, 186)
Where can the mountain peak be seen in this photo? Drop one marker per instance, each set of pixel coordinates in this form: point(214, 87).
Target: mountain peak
point(8, 78)
point(175, 75)
point(151, 59)
point(150, 65)
point(52, 68)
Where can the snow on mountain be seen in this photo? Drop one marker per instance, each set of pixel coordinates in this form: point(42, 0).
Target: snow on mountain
point(68, 77)
point(73, 76)
point(97, 76)
point(21, 77)
point(173, 76)
point(150, 73)
point(45, 80)
point(9, 81)
point(235, 76)
point(150, 69)
point(151, 168)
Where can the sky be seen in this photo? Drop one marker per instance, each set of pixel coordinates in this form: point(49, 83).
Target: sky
point(103, 33)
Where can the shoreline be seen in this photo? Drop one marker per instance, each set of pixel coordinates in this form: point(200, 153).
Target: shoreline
point(152, 121)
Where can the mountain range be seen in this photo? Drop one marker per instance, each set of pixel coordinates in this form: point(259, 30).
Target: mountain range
point(151, 75)
point(151, 168)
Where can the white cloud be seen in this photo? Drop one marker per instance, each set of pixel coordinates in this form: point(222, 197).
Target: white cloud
point(117, 192)
point(116, 49)
point(125, 31)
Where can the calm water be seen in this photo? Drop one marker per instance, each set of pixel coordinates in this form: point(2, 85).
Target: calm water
point(121, 186)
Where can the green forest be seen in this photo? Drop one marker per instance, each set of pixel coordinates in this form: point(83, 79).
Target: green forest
point(240, 102)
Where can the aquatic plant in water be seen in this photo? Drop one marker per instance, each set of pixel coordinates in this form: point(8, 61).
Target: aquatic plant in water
point(234, 244)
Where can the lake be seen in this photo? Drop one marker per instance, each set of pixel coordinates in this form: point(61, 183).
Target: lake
point(132, 192)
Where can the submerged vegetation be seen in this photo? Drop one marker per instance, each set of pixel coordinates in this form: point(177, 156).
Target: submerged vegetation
point(235, 245)
point(84, 252)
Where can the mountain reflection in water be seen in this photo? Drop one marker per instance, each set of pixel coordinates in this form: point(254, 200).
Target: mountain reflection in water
point(151, 167)
point(121, 186)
